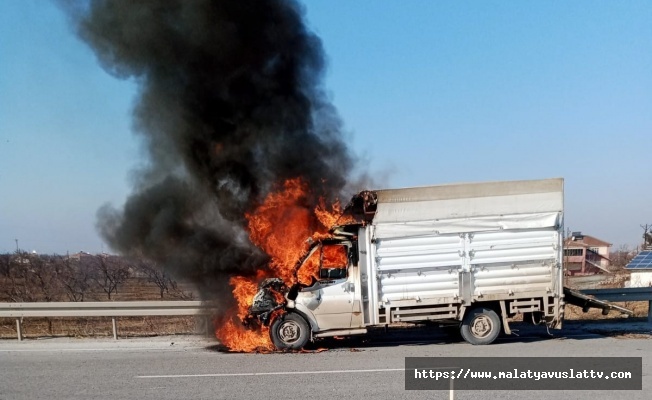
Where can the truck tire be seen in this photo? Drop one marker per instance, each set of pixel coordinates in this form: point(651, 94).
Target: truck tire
point(480, 326)
point(289, 332)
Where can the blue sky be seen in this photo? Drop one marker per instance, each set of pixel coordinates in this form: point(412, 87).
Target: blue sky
point(430, 92)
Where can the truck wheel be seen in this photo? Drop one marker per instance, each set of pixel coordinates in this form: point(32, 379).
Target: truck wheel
point(289, 332)
point(480, 326)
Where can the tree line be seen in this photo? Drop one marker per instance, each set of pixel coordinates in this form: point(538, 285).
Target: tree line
point(28, 277)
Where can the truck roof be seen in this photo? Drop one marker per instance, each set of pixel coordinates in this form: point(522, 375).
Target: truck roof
point(538, 198)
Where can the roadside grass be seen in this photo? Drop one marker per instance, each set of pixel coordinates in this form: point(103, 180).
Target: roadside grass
point(615, 280)
point(135, 289)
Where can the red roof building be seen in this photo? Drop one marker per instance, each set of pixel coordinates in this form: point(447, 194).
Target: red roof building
point(586, 255)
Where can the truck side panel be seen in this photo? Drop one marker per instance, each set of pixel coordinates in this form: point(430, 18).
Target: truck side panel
point(434, 251)
point(512, 262)
point(418, 267)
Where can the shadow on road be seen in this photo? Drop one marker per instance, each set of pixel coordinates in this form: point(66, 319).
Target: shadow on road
point(522, 333)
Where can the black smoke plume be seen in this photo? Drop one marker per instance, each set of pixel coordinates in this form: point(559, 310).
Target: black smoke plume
point(230, 104)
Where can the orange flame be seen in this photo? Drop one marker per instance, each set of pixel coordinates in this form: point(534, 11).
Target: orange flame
point(245, 289)
point(281, 227)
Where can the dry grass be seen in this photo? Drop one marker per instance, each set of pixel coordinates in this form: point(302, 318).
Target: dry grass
point(135, 289)
point(640, 309)
point(615, 280)
point(102, 326)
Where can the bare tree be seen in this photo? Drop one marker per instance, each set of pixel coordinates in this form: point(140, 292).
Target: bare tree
point(155, 274)
point(178, 293)
point(109, 273)
point(647, 236)
point(32, 278)
point(16, 289)
point(44, 275)
point(5, 264)
point(622, 256)
point(163, 280)
point(75, 277)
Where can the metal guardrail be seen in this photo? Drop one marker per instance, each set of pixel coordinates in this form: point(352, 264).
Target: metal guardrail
point(115, 309)
point(111, 309)
point(623, 295)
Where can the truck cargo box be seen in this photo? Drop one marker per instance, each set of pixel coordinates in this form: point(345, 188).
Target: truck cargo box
point(462, 243)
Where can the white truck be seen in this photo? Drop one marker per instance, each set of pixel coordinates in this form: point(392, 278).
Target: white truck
point(470, 256)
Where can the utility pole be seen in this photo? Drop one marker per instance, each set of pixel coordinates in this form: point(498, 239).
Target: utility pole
point(20, 258)
point(647, 237)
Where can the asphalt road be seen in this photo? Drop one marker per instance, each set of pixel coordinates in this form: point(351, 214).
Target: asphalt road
point(194, 368)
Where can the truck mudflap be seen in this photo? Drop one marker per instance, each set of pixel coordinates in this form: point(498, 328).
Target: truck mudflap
point(586, 302)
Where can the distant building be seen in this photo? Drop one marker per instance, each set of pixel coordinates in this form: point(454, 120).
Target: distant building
point(640, 269)
point(79, 256)
point(586, 255)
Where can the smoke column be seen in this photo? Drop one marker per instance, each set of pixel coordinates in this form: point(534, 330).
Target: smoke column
point(230, 103)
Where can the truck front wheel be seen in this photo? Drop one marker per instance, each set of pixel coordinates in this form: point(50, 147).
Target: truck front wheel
point(480, 326)
point(290, 332)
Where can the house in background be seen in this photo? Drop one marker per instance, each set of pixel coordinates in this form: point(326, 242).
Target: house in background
point(586, 255)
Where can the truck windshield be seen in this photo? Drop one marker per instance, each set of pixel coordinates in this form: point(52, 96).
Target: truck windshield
point(334, 262)
point(329, 261)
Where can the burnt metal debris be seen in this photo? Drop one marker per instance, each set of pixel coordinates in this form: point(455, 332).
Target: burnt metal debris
point(266, 301)
point(362, 206)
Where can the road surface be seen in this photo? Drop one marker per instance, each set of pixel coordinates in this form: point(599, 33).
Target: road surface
point(195, 368)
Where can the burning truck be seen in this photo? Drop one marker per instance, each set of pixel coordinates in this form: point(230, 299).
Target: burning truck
point(464, 256)
point(470, 256)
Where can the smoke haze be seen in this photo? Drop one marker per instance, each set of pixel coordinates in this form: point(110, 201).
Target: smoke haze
point(230, 104)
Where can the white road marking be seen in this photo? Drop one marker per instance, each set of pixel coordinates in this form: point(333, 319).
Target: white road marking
point(337, 371)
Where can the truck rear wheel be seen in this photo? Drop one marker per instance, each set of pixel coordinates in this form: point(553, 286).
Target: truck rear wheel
point(480, 326)
point(289, 332)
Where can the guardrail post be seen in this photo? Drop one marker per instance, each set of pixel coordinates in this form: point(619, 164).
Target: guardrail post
point(208, 326)
point(115, 328)
point(19, 329)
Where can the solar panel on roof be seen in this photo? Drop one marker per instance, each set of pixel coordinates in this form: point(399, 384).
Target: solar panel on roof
point(643, 260)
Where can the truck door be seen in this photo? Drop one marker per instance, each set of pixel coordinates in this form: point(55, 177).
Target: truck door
point(333, 295)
